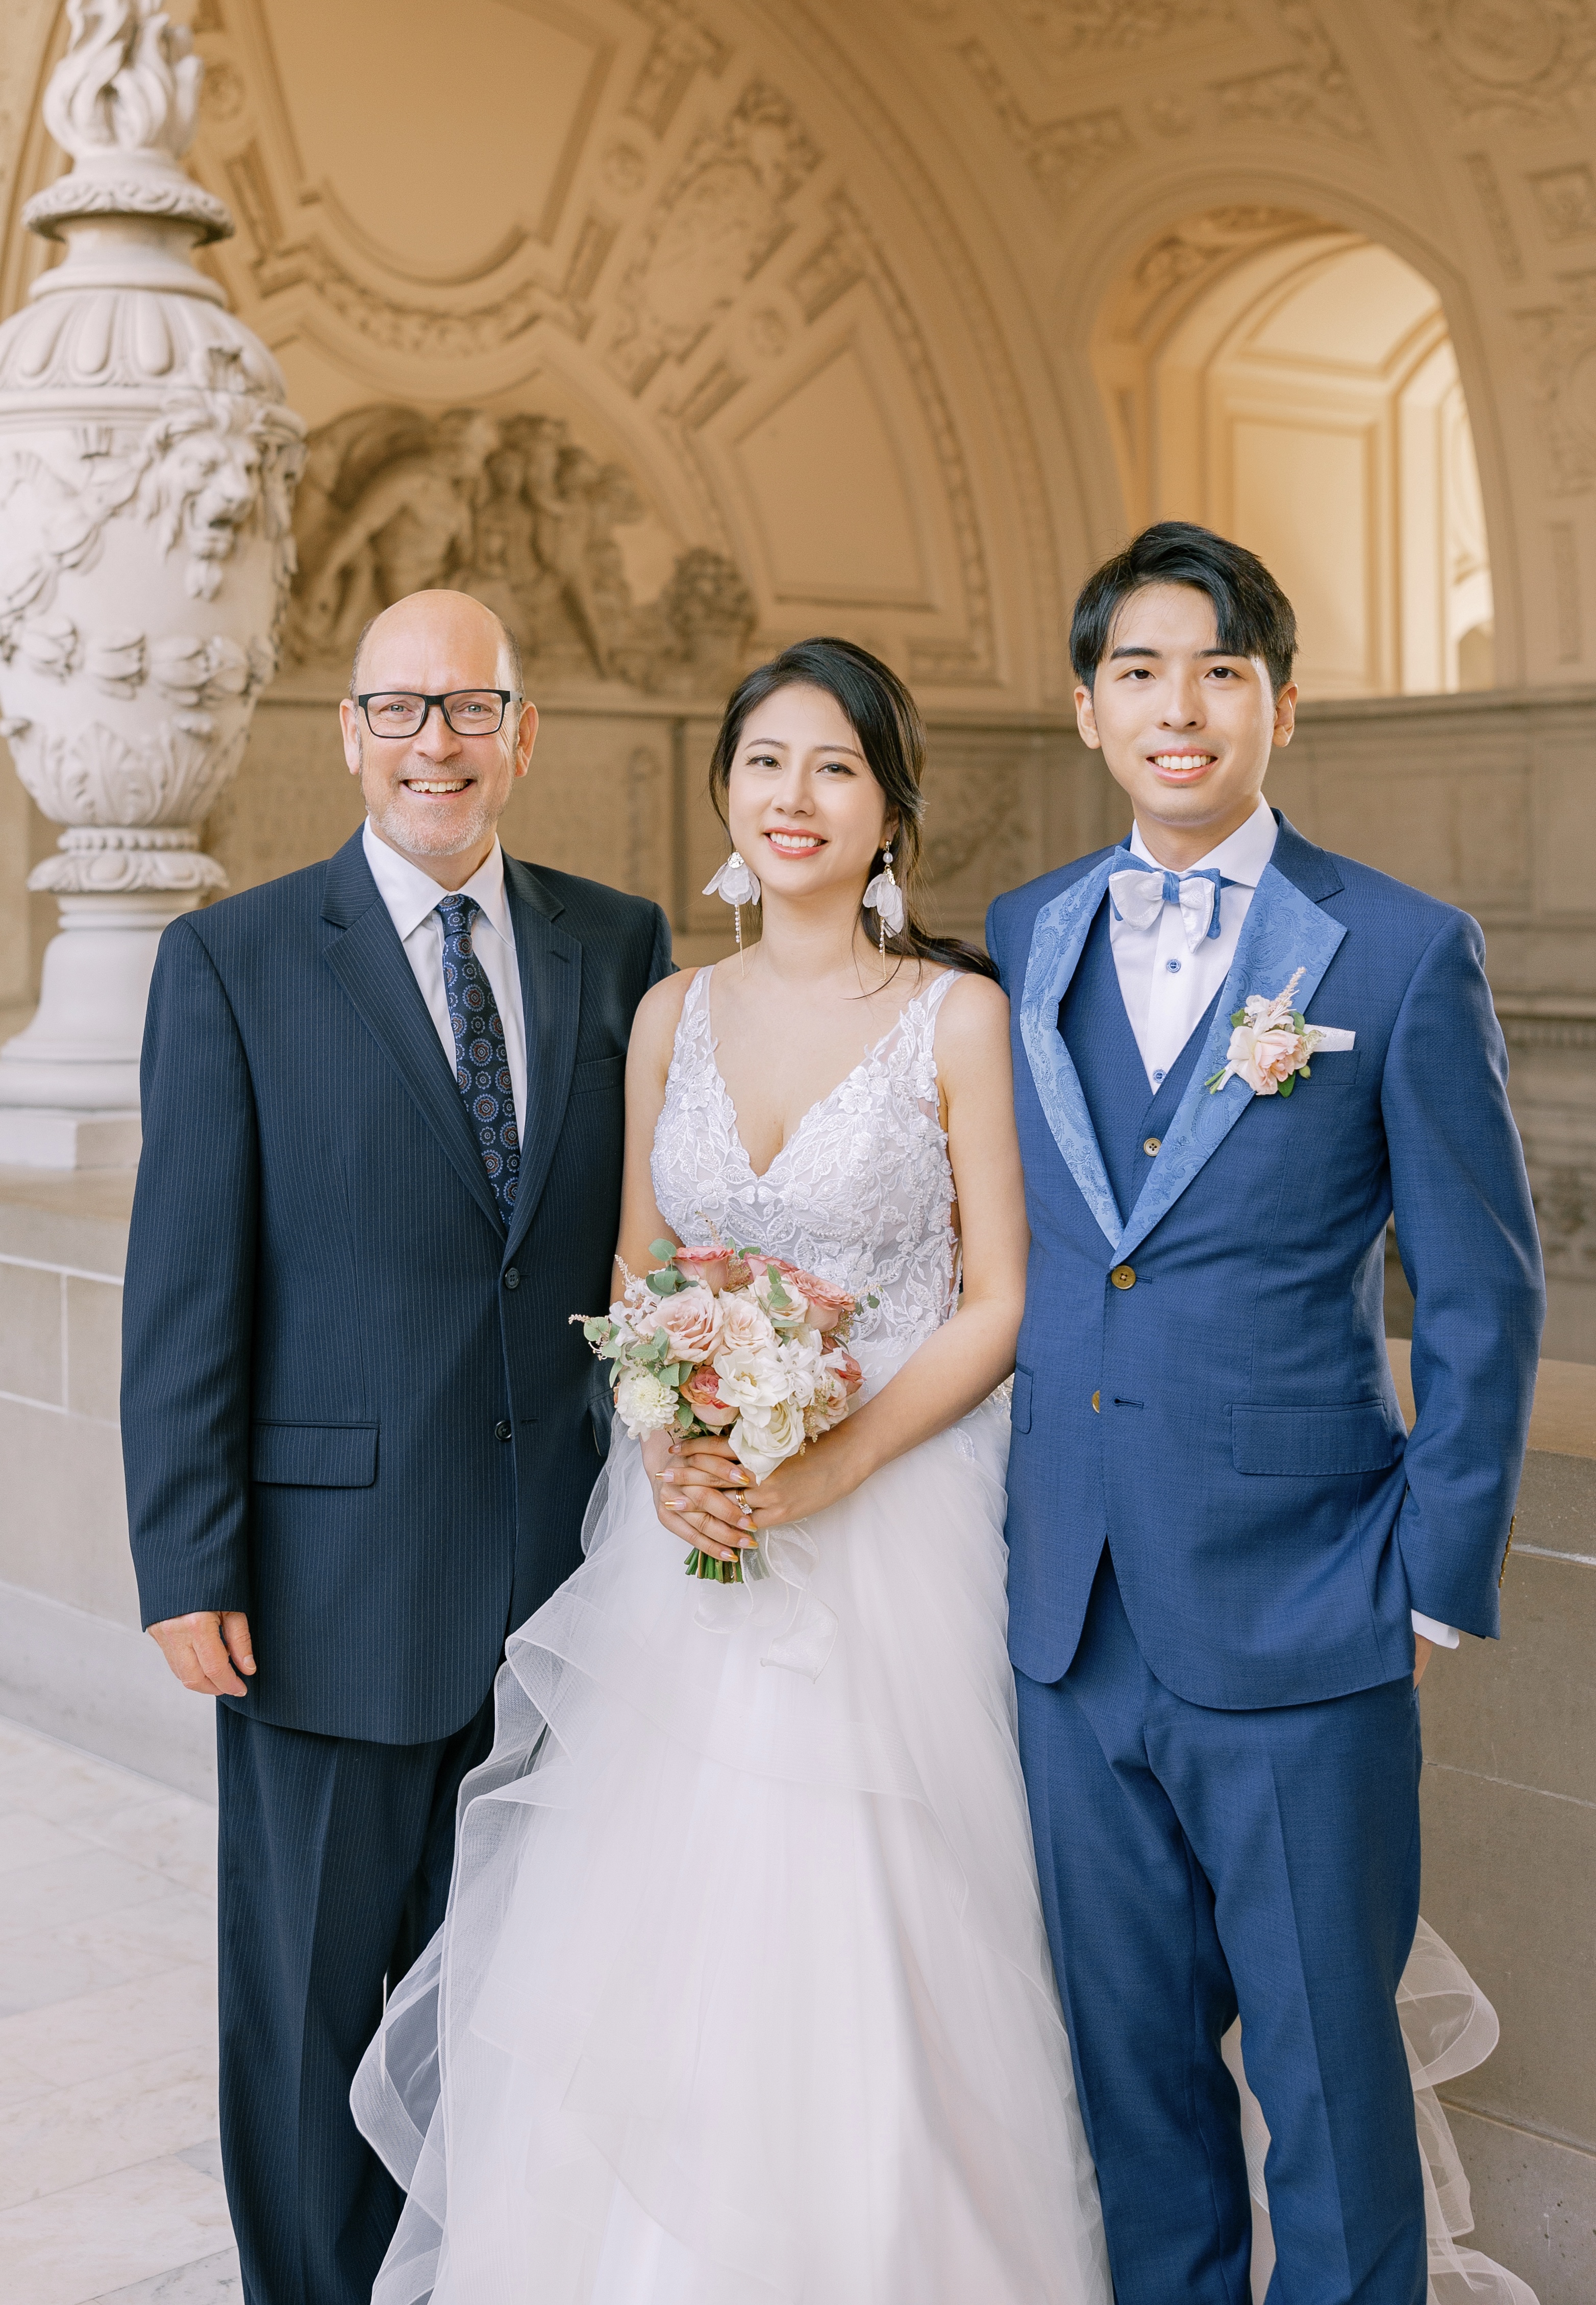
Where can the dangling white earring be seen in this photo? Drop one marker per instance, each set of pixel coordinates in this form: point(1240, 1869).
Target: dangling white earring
point(885, 899)
point(736, 884)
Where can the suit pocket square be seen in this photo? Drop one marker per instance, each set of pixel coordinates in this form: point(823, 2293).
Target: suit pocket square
point(313, 1456)
point(1308, 1444)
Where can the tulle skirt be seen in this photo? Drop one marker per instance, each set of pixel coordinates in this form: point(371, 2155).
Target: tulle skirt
point(744, 1993)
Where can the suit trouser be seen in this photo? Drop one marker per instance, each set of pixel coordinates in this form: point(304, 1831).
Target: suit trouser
point(1196, 1863)
point(333, 1872)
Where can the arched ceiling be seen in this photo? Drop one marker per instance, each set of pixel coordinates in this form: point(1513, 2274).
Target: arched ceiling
point(825, 278)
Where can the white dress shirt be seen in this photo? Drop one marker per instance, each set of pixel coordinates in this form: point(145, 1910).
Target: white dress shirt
point(412, 898)
point(1166, 987)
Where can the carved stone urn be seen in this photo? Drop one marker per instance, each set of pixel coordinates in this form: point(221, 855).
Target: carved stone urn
point(147, 469)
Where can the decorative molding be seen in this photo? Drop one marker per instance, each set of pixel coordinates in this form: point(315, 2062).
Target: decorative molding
point(724, 212)
point(1560, 340)
point(1067, 31)
point(1183, 262)
point(851, 253)
point(1564, 580)
point(155, 194)
point(1520, 62)
point(1316, 94)
point(682, 48)
point(1499, 224)
point(1060, 155)
point(1567, 200)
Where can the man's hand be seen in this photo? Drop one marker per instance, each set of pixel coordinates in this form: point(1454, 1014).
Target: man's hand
point(204, 1649)
point(1422, 1652)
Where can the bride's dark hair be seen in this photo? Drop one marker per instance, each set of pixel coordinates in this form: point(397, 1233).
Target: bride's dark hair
point(886, 719)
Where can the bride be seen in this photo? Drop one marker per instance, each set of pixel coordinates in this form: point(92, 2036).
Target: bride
point(744, 1994)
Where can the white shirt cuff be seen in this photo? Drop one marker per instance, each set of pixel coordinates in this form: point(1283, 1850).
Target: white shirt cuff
point(1445, 1637)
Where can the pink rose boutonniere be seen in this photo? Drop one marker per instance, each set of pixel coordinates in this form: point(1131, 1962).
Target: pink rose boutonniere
point(1272, 1044)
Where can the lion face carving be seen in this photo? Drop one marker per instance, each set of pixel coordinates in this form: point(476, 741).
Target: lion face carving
point(201, 482)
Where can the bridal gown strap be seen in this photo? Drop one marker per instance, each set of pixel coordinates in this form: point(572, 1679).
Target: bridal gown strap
point(743, 1997)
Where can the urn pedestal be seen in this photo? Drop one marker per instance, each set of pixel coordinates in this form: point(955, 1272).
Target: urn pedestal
point(146, 467)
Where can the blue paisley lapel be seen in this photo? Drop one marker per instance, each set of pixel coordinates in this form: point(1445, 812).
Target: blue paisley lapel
point(1057, 939)
point(1284, 931)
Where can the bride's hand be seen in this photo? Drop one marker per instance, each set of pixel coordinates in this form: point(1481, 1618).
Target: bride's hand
point(697, 1486)
point(828, 1470)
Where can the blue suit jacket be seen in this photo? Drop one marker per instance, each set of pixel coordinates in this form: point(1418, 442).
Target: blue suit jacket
point(326, 1329)
point(1271, 1525)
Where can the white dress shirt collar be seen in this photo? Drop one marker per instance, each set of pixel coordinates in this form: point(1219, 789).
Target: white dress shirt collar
point(410, 895)
point(1241, 856)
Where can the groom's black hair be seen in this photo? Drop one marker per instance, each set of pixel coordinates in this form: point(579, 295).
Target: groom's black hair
point(1252, 615)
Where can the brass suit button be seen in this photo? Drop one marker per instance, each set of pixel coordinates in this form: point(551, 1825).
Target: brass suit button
point(1097, 1404)
point(1122, 1277)
point(1149, 1145)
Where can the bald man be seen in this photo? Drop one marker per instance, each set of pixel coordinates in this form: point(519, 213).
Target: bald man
point(383, 1123)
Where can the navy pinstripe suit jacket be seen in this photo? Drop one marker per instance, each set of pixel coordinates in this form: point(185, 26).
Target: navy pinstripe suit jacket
point(326, 1332)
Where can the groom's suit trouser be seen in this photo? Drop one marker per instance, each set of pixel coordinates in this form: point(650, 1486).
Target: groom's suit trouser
point(334, 1873)
point(1195, 1863)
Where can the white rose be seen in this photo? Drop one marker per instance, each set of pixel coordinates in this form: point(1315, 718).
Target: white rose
point(741, 1321)
point(829, 1405)
point(643, 1403)
point(751, 1376)
point(801, 1359)
point(764, 1438)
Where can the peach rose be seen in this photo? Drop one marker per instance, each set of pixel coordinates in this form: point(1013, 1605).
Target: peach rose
point(1264, 1059)
point(742, 1324)
point(691, 1320)
point(702, 1392)
point(828, 1305)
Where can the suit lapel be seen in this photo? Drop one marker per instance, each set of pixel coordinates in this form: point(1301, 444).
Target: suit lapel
point(1284, 931)
point(1058, 940)
point(549, 960)
point(368, 961)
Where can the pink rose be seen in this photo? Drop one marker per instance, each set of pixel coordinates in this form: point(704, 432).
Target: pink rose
point(744, 1324)
point(828, 1305)
point(709, 1267)
point(691, 1320)
point(1264, 1059)
point(702, 1391)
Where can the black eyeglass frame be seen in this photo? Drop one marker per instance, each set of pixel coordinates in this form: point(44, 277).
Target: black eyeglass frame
point(506, 697)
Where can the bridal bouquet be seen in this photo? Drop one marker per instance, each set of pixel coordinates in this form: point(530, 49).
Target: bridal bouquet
point(732, 1342)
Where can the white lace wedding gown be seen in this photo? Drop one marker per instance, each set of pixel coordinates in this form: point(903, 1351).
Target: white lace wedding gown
point(743, 1995)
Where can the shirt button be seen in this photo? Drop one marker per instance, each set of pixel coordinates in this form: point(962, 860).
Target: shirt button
point(1149, 1145)
point(503, 1430)
point(1157, 1077)
point(512, 1278)
point(1122, 1277)
point(1173, 966)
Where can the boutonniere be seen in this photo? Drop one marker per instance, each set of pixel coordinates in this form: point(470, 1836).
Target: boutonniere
point(1272, 1044)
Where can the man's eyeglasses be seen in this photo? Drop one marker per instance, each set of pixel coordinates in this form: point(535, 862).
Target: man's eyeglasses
point(468, 711)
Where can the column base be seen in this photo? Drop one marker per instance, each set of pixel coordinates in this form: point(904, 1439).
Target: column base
point(46, 1137)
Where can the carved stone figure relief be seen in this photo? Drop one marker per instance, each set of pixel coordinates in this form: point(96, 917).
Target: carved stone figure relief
point(516, 512)
point(1316, 92)
point(726, 211)
point(1567, 200)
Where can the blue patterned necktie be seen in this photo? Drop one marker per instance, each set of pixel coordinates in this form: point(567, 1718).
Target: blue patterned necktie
point(482, 1065)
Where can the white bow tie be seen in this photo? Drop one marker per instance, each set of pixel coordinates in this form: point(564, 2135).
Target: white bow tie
point(1140, 892)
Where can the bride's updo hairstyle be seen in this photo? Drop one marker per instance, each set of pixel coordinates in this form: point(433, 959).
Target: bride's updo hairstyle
point(886, 719)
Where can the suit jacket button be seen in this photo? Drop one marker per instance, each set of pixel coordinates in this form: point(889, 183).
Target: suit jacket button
point(503, 1430)
point(512, 1278)
point(1149, 1145)
point(1122, 1277)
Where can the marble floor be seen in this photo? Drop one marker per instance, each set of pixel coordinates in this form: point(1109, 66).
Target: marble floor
point(110, 2176)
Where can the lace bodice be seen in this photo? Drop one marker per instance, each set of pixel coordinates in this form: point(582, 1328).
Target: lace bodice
point(861, 1193)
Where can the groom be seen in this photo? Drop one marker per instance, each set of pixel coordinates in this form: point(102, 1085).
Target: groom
point(383, 1123)
point(1228, 1563)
